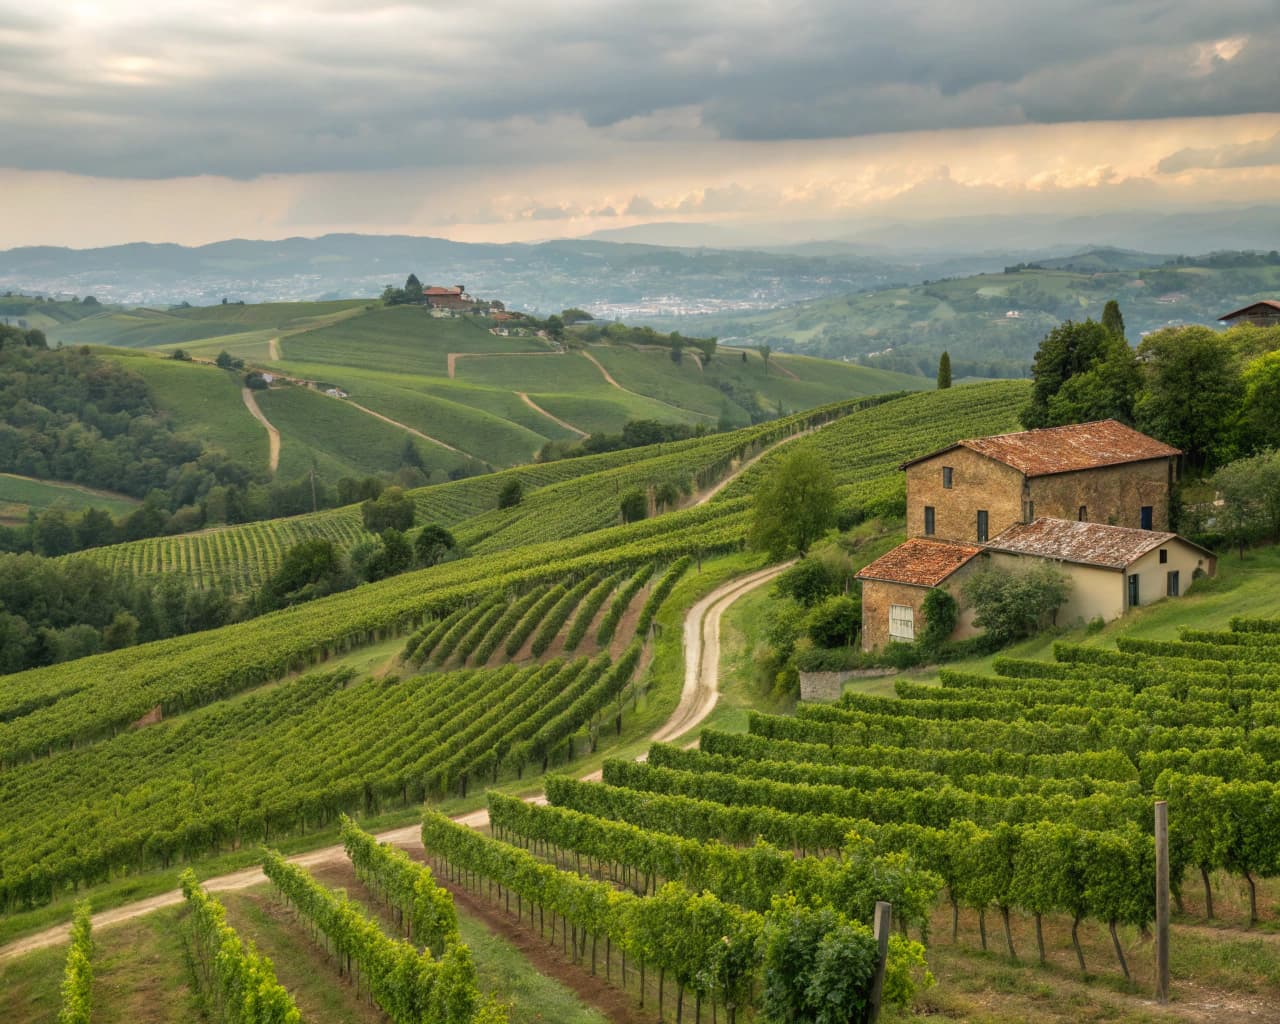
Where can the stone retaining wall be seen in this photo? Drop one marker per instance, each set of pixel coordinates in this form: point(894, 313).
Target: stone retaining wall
point(827, 686)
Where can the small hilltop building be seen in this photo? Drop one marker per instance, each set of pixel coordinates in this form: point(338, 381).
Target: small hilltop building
point(1092, 498)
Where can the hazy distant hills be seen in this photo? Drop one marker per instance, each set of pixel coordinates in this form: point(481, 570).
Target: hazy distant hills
point(607, 277)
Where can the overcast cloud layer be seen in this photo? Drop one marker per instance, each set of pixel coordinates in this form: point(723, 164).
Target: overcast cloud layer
point(516, 119)
point(148, 90)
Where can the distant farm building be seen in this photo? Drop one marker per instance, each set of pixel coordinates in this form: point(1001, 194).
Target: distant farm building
point(1091, 498)
point(1261, 314)
point(438, 297)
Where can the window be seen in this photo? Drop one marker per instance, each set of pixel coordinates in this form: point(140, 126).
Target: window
point(1146, 517)
point(1083, 515)
point(1173, 586)
point(928, 520)
point(982, 524)
point(1133, 590)
point(902, 622)
point(946, 477)
point(1164, 555)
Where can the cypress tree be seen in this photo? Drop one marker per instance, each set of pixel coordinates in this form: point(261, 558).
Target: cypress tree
point(1112, 319)
point(944, 371)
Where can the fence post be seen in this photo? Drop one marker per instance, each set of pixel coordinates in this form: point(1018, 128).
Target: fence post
point(1162, 901)
point(884, 916)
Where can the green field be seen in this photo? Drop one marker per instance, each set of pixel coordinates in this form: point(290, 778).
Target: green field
point(395, 361)
point(21, 494)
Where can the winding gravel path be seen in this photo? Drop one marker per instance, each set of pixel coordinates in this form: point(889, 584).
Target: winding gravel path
point(273, 435)
point(697, 701)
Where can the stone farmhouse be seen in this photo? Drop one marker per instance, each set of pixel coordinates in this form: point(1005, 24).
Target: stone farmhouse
point(1092, 498)
point(438, 297)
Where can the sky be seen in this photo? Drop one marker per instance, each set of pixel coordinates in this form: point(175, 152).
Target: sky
point(516, 120)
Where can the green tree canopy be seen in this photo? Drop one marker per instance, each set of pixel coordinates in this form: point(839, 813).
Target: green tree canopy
point(511, 494)
point(944, 371)
point(432, 544)
point(1113, 319)
point(1070, 348)
point(1012, 605)
point(1191, 393)
point(794, 505)
point(391, 510)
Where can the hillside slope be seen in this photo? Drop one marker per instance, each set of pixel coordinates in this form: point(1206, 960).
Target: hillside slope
point(467, 397)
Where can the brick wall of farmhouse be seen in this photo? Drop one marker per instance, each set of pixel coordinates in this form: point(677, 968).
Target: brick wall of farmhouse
point(977, 482)
point(1113, 495)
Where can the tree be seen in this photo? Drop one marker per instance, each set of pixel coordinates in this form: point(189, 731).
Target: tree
point(309, 569)
point(121, 631)
point(834, 621)
point(794, 505)
point(634, 506)
point(808, 581)
point(1011, 605)
point(1260, 426)
point(1250, 490)
point(573, 315)
point(1113, 320)
point(940, 615)
point(224, 360)
point(1068, 349)
point(511, 494)
point(1191, 392)
point(944, 371)
point(765, 353)
point(412, 290)
point(181, 355)
point(432, 544)
point(254, 381)
point(391, 510)
point(555, 328)
point(1108, 390)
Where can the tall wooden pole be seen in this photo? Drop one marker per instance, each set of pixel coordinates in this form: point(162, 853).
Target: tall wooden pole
point(1162, 901)
point(883, 919)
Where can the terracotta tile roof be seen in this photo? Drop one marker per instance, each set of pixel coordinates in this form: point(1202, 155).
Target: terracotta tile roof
point(1052, 450)
point(1271, 304)
point(921, 563)
point(1112, 547)
point(436, 290)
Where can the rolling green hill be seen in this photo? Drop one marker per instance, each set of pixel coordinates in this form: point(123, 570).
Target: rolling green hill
point(22, 494)
point(992, 323)
point(469, 398)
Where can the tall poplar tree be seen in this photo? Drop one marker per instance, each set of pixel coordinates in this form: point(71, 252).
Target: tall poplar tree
point(944, 371)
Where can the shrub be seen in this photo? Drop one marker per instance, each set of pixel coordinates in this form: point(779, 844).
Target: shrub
point(511, 494)
point(1013, 605)
point(834, 622)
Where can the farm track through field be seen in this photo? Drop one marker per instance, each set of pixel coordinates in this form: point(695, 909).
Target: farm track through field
point(609, 379)
point(273, 348)
point(697, 701)
point(273, 435)
point(406, 428)
point(554, 419)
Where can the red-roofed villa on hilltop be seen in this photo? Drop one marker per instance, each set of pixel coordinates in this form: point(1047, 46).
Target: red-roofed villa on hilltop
point(1093, 498)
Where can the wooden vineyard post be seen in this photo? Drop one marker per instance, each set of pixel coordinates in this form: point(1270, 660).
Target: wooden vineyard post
point(884, 916)
point(1162, 901)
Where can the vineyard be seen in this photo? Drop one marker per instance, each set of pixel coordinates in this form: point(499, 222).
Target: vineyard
point(863, 440)
point(738, 880)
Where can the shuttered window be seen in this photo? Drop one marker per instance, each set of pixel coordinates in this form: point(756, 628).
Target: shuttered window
point(902, 622)
point(928, 521)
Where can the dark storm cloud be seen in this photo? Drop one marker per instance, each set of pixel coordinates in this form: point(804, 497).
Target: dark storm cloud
point(328, 87)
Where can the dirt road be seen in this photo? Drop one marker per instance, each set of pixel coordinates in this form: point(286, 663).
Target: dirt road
point(554, 419)
point(697, 701)
point(273, 435)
